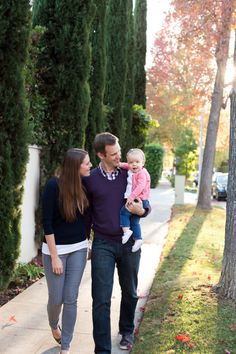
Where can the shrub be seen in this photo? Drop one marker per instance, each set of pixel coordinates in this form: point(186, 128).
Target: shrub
point(37, 103)
point(25, 272)
point(154, 162)
point(141, 122)
point(185, 153)
point(63, 69)
point(14, 128)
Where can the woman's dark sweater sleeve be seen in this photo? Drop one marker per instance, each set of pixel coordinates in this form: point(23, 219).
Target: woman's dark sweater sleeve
point(88, 211)
point(48, 204)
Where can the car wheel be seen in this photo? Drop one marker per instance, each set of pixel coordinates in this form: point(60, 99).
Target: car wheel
point(217, 196)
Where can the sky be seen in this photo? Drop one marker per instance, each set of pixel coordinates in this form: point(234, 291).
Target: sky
point(155, 16)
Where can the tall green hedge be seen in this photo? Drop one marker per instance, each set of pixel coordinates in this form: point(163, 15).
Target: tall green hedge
point(129, 82)
point(63, 72)
point(96, 115)
point(154, 162)
point(14, 129)
point(140, 28)
point(116, 33)
point(141, 122)
point(37, 103)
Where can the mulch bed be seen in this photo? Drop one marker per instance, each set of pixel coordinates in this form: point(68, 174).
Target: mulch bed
point(15, 289)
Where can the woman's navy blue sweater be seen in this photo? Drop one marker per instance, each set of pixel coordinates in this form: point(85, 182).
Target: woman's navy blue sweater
point(53, 222)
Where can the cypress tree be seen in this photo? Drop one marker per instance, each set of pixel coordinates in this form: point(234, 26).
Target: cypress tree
point(96, 116)
point(14, 131)
point(117, 19)
point(140, 27)
point(129, 89)
point(63, 71)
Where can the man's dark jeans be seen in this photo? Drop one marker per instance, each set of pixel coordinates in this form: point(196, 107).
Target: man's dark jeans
point(105, 256)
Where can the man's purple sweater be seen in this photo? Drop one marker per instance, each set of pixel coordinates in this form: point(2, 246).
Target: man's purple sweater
point(106, 198)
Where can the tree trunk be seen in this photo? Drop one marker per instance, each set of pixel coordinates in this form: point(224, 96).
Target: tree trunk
point(204, 197)
point(227, 283)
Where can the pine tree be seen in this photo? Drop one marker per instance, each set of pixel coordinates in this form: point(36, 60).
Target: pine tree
point(140, 27)
point(63, 70)
point(14, 131)
point(116, 32)
point(96, 116)
point(129, 89)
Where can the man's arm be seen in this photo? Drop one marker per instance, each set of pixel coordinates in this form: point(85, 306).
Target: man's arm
point(138, 209)
point(124, 165)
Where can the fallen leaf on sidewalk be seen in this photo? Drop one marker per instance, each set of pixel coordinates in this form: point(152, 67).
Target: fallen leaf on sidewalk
point(12, 319)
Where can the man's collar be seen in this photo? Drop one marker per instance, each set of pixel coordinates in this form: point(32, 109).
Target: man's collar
point(109, 175)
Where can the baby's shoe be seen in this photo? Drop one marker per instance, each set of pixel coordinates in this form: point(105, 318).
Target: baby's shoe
point(126, 236)
point(137, 245)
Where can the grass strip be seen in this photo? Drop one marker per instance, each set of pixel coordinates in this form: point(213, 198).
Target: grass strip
point(183, 314)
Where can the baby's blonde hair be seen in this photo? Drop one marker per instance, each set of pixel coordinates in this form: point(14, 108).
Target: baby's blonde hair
point(136, 151)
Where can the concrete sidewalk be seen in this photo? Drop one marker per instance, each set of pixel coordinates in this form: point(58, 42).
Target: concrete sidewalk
point(23, 321)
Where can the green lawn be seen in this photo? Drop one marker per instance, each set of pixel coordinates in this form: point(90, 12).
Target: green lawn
point(182, 303)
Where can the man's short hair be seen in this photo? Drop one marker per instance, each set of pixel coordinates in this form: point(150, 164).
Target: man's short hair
point(103, 139)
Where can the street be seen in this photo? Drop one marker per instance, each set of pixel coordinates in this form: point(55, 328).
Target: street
point(191, 198)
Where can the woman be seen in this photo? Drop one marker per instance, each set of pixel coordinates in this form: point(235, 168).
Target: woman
point(65, 245)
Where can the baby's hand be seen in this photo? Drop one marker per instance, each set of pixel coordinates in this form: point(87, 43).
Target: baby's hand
point(129, 201)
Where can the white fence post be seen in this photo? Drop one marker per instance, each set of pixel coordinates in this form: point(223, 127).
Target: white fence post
point(179, 189)
point(28, 247)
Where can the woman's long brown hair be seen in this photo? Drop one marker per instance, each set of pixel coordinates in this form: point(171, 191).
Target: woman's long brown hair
point(71, 192)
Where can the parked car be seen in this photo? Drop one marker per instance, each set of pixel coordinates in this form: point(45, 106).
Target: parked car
point(219, 185)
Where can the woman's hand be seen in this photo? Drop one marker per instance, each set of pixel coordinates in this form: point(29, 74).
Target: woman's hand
point(57, 266)
point(89, 255)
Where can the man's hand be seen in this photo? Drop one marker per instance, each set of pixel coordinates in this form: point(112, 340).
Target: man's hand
point(135, 207)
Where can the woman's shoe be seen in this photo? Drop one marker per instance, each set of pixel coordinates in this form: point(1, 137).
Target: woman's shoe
point(58, 340)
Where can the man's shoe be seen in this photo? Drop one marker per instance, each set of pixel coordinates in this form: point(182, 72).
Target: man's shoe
point(127, 342)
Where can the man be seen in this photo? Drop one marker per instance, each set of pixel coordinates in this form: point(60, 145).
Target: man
point(106, 187)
